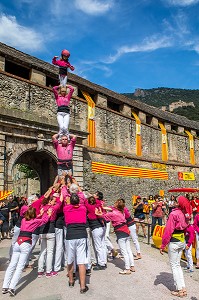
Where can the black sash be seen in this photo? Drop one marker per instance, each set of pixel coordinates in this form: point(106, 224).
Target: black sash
point(76, 231)
point(63, 108)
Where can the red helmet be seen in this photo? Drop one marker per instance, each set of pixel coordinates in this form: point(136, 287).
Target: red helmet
point(65, 53)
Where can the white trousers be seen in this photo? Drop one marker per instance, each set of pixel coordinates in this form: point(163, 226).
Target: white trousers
point(197, 245)
point(46, 252)
point(65, 247)
point(134, 237)
point(175, 252)
point(108, 243)
point(63, 122)
point(91, 248)
point(59, 248)
point(35, 238)
point(188, 254)
point(100, 246)
point(125, 248)
point(16, 265)
point(63, 80)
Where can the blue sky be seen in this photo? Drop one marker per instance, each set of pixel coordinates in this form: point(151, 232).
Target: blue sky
point(119, 44)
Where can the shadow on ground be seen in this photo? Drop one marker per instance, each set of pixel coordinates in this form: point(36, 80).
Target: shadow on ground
point(3, 263)
point(165, 279)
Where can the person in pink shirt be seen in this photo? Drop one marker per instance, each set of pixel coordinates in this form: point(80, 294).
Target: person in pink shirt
point(63, 64)
point(76, 189)
point(132, 227)
point(189, 238)
point(47, 236)
point(64, 150)
point(196, 227)
point(77, 240)
point(23, 210)
point(117, 217)
point(98, 229)
point(175, 238)
point(63, 110)
point(22, 248)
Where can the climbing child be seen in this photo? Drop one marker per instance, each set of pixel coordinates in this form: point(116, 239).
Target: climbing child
point(63, 111)
point(63, 64)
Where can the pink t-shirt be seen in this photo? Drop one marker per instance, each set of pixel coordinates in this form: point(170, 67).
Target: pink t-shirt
point(91, 210)
point(63, 100)
point(196, 223)
point(126, 213)
point(23, 210)
point(74, 214)
point(64, 152)
point(189, 235)
point(55, 209)
point(33, 224)
point(176, 221)
point(115, 216)
point(61, 63)
point(37, 204)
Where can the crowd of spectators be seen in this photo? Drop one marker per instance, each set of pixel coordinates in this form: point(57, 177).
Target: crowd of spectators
point(156, 209)
point(9, 214)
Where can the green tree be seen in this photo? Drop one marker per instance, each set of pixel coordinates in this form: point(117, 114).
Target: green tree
point(28, 171)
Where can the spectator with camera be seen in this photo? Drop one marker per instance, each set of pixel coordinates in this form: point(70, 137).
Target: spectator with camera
point(158, 208)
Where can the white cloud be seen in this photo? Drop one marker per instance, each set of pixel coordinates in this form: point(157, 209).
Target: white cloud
point(59, 8)
point(19, 36)
point(177, 27)
point(182, 2)
point(88, 66)
point(93, 7)
point(149, 44)
point(193, 45)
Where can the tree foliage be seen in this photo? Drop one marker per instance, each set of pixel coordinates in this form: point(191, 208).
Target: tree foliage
point(161, 96)
point(28, 171)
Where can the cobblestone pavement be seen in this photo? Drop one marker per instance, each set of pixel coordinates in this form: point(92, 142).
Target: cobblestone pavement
point(152, 280)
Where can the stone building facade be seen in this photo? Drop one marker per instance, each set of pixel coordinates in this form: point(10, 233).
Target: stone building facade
point(124, 147)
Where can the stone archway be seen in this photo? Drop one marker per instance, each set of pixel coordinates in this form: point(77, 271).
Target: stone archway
point(43, 162)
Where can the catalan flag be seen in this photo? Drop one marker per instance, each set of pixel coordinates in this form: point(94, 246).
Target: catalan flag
point(125, 171)
point(5, 194)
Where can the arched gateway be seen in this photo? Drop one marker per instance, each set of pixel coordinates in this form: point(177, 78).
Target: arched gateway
point(43, 162)
point(29, 142)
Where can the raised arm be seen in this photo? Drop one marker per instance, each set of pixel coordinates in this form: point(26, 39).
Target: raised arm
point(55, 91)
point(55, 139)
point(54, 60)
point(72, 136)
point(69, 66)
point(71, 91)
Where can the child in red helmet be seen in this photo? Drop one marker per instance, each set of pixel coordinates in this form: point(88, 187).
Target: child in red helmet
point(63, 64)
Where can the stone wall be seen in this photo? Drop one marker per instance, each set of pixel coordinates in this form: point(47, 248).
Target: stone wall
point(115, 133)
point(114, 187)
point(20, 94)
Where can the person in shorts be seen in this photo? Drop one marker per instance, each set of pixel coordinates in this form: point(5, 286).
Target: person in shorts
point(64, 150)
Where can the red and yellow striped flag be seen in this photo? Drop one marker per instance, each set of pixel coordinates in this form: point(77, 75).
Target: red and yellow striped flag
point(5, 194)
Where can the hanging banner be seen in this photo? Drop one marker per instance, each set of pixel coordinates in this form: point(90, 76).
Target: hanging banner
point(91, 120)
point(91, 113)
point(186, 176)
point(138, 129)
point(5, 194)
